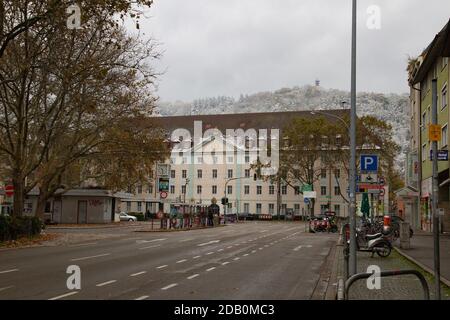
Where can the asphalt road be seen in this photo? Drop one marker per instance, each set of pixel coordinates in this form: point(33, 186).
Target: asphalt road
point(252, 260)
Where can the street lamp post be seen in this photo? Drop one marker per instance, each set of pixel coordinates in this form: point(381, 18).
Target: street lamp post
point(352, 213)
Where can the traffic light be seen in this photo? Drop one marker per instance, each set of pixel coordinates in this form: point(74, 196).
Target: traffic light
point(224, 201)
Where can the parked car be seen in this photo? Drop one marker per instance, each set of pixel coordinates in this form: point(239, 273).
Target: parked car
point(125, 217)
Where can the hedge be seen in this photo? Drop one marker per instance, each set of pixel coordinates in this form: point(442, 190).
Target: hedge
point(12, 228)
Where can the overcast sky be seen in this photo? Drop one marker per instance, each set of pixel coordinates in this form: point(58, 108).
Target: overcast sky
point(229, 47)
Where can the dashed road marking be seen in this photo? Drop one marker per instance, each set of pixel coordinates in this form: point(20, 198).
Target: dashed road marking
point(91, 257)
point(225, 263)
point(142, 298)
point(64, 295)
point(8, 271)
point(210, 269)
point(6, 288)
point(137, 274)
point(149, 247)
point(209, 253)
point(196, 257)
point(236, 259)
point(181, 261)
point(105, 283)
point(170, 286)
point(208, 243)
point(162, 267)
point(193, 276)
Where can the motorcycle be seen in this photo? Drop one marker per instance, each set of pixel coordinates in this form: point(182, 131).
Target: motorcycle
point(379, 243)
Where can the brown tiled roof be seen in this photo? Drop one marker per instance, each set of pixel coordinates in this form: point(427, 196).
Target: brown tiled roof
point(268, 120)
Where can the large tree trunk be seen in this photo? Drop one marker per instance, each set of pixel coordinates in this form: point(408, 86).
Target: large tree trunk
point(41, 203)
point(19, 195)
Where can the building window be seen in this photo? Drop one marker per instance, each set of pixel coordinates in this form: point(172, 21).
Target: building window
point(230, 173)
point(199, 160)
point(230, 189)
point(214, 189)
point(183, 189)
point(337, 191)
point(284, 189)
point(199, 189)
point(139, 206)
point(139, 189)
point(337, 209)
point(230, 160)
point(229, 205)
point(323, 173)
point(128, 206)
point(424, 120)
point(297, 190)
point(172, 189)
point(215, 159)
point(444, 97)
point(337, 173)
point(283, 208)
point(246, 189)
point(214, 173)
point(323, 208)
point(296, 209)
point(150, 188)
point(323, 191)
point(258, 208)
point(247, 173)
point(184, 160)
point(172, 174)
point(199, 173)
point(424, 152)
point(184, 174)
point(271, 208)
point(247, 159)
point(246, 208)
point(444, 141)
point(129, 189)
point(258, 189)
point(271, 189)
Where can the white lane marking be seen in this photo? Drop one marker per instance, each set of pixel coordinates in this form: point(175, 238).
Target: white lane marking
point(170, 286)
point(82, 244)
point(64, 295)
point(236, 259)
point(8, 271)
point(253, 251)
point(260, 248)
point(181, 261)
point(193, 276)
point(148, 241)
point(189, 239)
point(220, 250)
point(106, 283)
point(149, 247)
point(91, 257)
point(229, 247)
point(225, 263)
point(245, 255)
point(6, 288)
point(302, 246)
point(137, 274)
point(210, 269)
point(266, 245)
point(207, 243)
point(196, 257)
point(209, 253)
point(162, 267)
point(141, 298)
point(264, 231)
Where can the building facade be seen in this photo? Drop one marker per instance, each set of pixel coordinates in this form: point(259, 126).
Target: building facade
point(432, 64)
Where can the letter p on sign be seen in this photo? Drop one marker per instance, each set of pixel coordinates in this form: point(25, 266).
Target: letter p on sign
point(369, 163)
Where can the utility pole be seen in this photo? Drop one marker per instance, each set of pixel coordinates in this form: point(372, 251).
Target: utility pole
point(435, 194)
point(352, 212)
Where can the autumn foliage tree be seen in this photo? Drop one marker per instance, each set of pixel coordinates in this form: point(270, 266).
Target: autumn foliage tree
point(69, 98)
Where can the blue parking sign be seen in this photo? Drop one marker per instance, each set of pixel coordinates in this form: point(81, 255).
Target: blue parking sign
point(369, 163)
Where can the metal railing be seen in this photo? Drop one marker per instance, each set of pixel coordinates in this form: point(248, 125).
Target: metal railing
point(350, 281)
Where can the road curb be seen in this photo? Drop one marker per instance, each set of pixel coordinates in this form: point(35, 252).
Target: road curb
point(421, 265)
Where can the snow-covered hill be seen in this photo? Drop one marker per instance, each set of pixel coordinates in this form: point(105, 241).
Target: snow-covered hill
point(392, 108)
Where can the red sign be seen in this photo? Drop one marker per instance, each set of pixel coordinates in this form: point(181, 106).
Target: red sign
point(9, 190)
point(163, 194)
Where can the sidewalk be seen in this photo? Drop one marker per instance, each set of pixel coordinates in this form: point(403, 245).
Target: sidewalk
point(406, 287)
point(422, 253)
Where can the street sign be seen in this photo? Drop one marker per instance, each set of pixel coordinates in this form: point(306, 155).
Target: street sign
point(382, 192)
point(306, 200)
point(9, 190)
point(307, 187)
point(382, 181)
point(442, 155)
point(369, 163)
point(435, 132)
point(163, 185)
point(310, 194)
point(163, 194)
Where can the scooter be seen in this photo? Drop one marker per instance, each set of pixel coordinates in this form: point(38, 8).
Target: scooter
point(379, 243)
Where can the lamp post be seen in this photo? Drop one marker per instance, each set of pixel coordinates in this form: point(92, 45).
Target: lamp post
point(352, 213)
point(225, 196)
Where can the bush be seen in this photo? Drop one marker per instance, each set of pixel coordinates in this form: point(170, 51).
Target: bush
point(12, 228)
